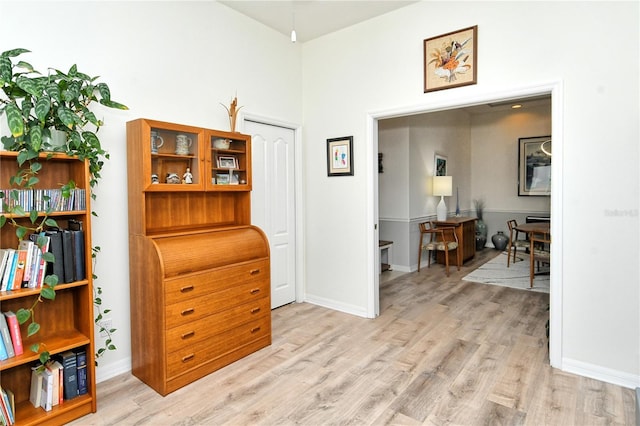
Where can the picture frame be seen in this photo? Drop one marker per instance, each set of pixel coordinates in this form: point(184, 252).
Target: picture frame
point(222, 179)
point(340, 156)
point(450, 60)
point(227, 162)
point(534, 166)
point(440, 165)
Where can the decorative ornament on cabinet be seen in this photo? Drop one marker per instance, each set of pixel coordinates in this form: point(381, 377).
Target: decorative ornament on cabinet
point(232, 110)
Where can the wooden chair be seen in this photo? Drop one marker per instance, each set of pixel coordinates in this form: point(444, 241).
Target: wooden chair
point(539, 252)
point(514, 240)
point(441, 238)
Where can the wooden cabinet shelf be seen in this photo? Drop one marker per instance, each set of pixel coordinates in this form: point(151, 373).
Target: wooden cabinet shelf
point(67, 321)
point(199, 272)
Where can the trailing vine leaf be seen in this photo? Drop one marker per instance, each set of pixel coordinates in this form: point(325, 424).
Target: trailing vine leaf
point(33, 328)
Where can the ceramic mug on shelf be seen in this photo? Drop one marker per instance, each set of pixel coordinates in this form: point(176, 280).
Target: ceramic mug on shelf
point(183, 143)
point(156, 142)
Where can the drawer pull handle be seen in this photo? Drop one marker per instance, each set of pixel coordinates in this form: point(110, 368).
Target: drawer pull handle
point(186, 289)
point(255, 310)
point(187, 312)
point(188, 358)
point(189, 334)
point(254, 271)
point(255, 329)
point(255, 291)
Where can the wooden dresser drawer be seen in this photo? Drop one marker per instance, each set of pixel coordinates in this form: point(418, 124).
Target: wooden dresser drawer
point(206, 328)
point(192, 356)
point(192, 309)
point(213, 280)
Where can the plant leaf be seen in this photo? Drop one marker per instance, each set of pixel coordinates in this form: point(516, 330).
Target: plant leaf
point(23, 315)
point(33, 328)
point(14, 120)
point(48, 293)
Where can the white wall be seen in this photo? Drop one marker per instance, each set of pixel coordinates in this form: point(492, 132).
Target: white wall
point(170, 61)
point(377, 66)
point(177, 61)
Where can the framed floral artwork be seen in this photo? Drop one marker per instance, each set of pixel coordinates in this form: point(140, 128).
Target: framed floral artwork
point(450, 60)
point(340, 156)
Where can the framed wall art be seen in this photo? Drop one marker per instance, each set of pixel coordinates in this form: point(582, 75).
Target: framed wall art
point(340, 156)
point(450, 60)
point(534, 166)
point(440, 165)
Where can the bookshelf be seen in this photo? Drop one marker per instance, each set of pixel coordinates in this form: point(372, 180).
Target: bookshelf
point(66, 322)
point(199, 271)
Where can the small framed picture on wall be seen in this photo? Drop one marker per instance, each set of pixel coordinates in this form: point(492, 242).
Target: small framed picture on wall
point(340, 156)
point(440, 165)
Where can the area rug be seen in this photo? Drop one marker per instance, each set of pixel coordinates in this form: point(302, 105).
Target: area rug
point(495, 272)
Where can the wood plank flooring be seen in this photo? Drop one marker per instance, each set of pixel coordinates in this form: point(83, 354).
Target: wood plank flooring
point(443, 352)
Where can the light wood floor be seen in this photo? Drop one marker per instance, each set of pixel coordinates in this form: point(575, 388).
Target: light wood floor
point(443, 351)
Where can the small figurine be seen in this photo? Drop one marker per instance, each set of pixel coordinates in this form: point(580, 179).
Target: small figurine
point(154, 179)
point(187, 177)
point(172, 178)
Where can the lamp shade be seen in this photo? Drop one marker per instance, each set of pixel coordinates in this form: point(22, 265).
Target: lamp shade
point(442, 186)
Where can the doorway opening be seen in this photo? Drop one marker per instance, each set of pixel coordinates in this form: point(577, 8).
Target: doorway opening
point(553, 89)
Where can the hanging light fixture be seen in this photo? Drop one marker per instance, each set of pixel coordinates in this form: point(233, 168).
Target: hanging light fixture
point(294, 36)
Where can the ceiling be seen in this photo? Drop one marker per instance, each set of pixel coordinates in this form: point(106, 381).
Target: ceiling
point(312, 18)
point(316, 18)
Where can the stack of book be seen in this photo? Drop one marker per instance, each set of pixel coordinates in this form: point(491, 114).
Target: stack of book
point(62, 378)
point(7, 407)
point(25, 266)
point(10, 336)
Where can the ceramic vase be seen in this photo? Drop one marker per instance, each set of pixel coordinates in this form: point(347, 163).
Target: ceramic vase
point(481, 234)
point(499, 241)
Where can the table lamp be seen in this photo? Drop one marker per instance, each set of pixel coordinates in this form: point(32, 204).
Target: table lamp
point(442, 187)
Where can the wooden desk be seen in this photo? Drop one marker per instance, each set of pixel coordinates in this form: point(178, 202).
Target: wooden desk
point(465, 228)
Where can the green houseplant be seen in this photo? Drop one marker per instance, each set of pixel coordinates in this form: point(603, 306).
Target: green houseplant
point(37, 105)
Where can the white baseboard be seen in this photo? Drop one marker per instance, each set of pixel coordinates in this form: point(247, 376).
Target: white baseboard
point(604, 374)
point(112, 370)
point(337, 306)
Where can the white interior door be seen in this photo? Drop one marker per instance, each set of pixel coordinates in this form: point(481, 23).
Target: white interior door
point(273, 202)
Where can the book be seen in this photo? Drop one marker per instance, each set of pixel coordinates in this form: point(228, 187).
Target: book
point(35, 395)
point(43, 242)
point(5, 335)
point(68, 361)
point(11, 400)
point(3, 351)
point(35, 267)
point(5, 406)
point(77, 244)
point(7, 272)
point(21, 259)
point(67, 256)
point(4, 256)
point(27, 246)
point(46, 394)
point(14, 330)
point(81, 371)
point(56, 370)
point(55, 247)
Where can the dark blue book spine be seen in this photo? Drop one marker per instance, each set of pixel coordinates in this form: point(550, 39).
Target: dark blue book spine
point(81, 371)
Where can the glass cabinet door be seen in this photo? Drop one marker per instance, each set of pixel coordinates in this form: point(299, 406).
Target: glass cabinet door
point(230, 165)
point(176, 159)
